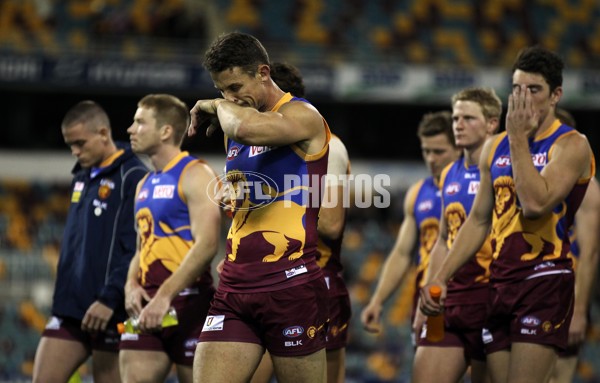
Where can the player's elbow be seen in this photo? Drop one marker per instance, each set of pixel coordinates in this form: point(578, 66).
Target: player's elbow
point(533, 211)
point(331, 230)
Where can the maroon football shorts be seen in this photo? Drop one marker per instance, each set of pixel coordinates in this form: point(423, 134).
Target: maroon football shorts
point(288, 322)
point(70, 329)
point(178, 342)
point(462, 326)
point(536, 310)
point(340, 311)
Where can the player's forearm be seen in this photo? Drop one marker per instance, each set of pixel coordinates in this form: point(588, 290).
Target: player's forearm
point(468, 241)
point(584, 280)
point(191, 268)
point(134, 267)
point(394, 270)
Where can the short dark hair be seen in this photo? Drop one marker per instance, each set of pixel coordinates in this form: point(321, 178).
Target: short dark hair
point(89, 113)
point(537, 59)
point(288, 78)
point(168, 110)
point(435, 123)
point(235, 49)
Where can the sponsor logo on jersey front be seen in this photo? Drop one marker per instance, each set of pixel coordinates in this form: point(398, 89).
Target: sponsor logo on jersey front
point(257, 150)
point(473, 187)
point(163, 192)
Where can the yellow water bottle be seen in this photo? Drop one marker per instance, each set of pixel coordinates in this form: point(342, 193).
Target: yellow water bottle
point(131, 326)
point(435, 324)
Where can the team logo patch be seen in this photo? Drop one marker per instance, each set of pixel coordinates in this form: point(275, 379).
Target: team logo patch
point(335, 331)
point(547, 326)
point(293, 331)
point(163, 192)
point(214, 323)
point(106, 186)
point(311, 332)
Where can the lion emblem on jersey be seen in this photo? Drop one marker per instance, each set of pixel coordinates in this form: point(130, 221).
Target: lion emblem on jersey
point(456, 215)
point(508, 221)
point(264, 222)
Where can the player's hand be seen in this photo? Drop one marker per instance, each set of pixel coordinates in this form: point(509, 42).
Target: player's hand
point(521, 118)
point(151, 316)
point(419, 321)
point(428, 306)
point(135, 296)
point(96, 317)
point(371, 317)
point(578, 328)
point(220, 266)
point(204, 116)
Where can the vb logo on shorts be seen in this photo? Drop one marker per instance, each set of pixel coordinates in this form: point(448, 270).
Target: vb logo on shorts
point(214, 323)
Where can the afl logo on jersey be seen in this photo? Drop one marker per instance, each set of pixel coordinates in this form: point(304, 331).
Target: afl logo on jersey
point(143, 195)
point(425, 206)
point(453, 188)
point(233, 152)
point(503, 161)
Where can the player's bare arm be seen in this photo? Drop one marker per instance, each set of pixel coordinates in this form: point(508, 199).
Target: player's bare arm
point(395, 266)
point(540, 192)
point(205, 218)
point(470, 237)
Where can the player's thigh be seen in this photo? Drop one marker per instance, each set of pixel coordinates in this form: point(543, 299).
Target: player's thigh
point(564, 370)
point(105, 366)
point(450, 364)
point(531, 362)
point(184, 373)
point(57, 359)
point(143, 366)
point(336, 365)
point(264, 371)
point(299, 369)
point(226, 362)
point(497, 365)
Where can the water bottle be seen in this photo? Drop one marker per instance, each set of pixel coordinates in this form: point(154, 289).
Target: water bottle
point(435, 324)
point(131, 325)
